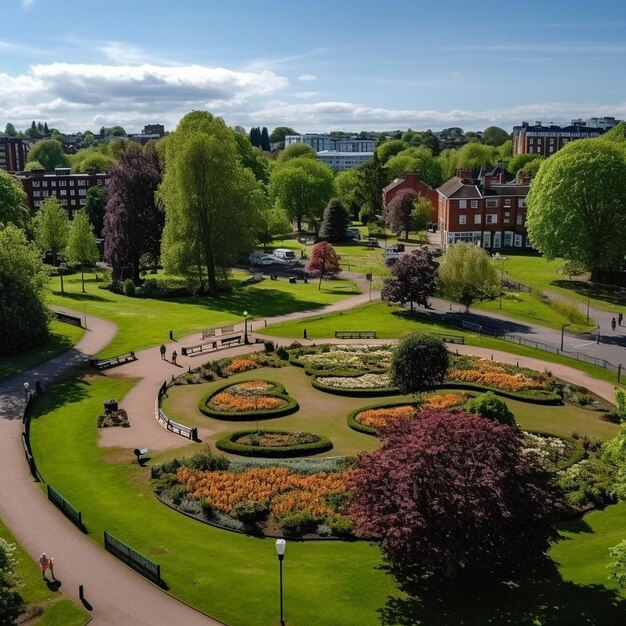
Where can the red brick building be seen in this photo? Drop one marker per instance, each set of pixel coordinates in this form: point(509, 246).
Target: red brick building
point(548, 139)
point(412, 181)
point(488, 210)
point(70, 189)
point(13, 153)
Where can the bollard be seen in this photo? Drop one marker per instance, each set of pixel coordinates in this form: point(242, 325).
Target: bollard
point(81, 592)
point(171, 335)
point(492, 357)
point(304, 334)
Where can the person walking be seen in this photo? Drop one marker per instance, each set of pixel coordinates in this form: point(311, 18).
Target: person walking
point(44, 564)
point(162, 349)
point(174, 356)
point(620, 319)
point(613, 324)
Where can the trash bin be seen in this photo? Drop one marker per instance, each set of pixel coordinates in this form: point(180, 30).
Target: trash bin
point(110, 406)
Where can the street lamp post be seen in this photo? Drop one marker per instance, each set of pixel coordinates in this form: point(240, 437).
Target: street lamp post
point(26, 385)
point(563, 334)
point(245, 327)
point(281, 544)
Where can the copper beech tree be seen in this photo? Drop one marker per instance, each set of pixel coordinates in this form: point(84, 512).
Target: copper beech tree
point(325, 260)
point(450, 493)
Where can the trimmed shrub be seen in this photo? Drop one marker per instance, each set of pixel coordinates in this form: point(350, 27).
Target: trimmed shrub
point(129, 288)
point(250, 512)
point(282, 353)
point(419, 363)
point(298, 524)
point(489, 406)
point(269, 346)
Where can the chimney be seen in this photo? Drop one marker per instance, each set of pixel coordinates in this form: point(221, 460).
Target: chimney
point(412, 179)
point(487, 181)
point(464, 173)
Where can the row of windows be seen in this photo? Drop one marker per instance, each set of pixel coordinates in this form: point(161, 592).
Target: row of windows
point(509, 240)
point(63, 202)
point(59, 192)
point(492, 203)
point(81, 182)
point(492, 218)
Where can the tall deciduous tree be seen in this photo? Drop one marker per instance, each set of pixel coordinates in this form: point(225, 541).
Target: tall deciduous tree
point(302, 187)
point(13, 202)
point(81, 244)
point(50, 154)
point(24, 315)
point(280, 132)
point(416, 160)
point(11, 602)
point(389, 149)
point(473, 156)
point(467, 274)
point(212, 202)
point(295, 151)
point(133, 221)
point(413, 279)
point(447, 493)
point(422, 213)
point(325, 260)
point(372, 179)
point(399, 212)
point(52, 228)
point(495, 136)
point(346, 183)
point(95, 207)
point(335, 221)
point(9, 130)
point(576, 206)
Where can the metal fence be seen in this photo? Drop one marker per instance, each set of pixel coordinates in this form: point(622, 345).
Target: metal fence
point(171, 425)
point(66, 508)
point(140, 563)
point(30, 459)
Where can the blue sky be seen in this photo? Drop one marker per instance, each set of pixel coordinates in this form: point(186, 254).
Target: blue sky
point(315, 66)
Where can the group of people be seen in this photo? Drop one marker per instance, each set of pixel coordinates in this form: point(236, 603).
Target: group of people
point(163, 351)
point(46, 563)
point(620, 319)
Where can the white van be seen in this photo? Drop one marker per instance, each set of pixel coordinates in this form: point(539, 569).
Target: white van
point(285, 254)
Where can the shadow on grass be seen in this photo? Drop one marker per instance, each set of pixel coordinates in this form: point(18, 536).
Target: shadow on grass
point(68, 390)
point(79, 296)
point(610, 294)
point(540, 597)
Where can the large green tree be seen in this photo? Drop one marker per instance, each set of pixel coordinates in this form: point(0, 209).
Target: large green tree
point(296, 151)
point(373, 177)
point(389, 149)
point(347, 183)
point(211, 201)
point(576, 206)
point(473, 156)
point(13, 202)
point(417, 160)
point(50, 154)
point(52, 228)
point(467, 274)
point(335, 222)
point(280, 132)
point(495, 136)
point(81, 244)
point(95, 207)
point(24, 315)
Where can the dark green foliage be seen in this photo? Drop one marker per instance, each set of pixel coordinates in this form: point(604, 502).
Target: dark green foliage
point(280, 132)
point(50, 154)
point(282, 353)
point(207, 461)
point(298, 524)
point(250, 512)
point(419, 363)
point(95, 206)
point(177, 493)
point(489, 406)
point(335, 221)
point(129, 288)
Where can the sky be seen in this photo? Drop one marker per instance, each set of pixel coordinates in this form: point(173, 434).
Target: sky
point(315, 66)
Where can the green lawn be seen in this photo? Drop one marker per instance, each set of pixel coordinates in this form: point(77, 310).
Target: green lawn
point(62, 337)
point(56, 609)
point(538, 272)
point(392, 322)
point(234, 577)
point(144, 322)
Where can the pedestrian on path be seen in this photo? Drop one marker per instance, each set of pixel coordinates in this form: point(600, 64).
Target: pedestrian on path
point(51, 567)
point(620, 319)
point(163, 350)
point(613, 324)
point(44, 564)
point(174, 356)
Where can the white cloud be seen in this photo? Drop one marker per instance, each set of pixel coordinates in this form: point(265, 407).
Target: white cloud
point(120, 52)
point(304, 94)
point(307, 77)
point(27, 3)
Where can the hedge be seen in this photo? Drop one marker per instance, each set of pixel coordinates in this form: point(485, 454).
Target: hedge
point(226, 444)
point(534, 396)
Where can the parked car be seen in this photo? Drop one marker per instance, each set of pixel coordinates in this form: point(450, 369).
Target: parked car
point(353, 233)
point(285, 254)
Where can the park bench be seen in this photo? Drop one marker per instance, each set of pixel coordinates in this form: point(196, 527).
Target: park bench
point(355, 334)
point(68, 319)
point(450, 338)
point(114, 361)
point(229, 341)
point(207, 346)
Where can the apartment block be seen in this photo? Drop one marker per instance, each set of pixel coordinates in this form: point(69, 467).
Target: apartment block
point(341, 161)
point(13, 153)
point(548, 139)
point(322, 142)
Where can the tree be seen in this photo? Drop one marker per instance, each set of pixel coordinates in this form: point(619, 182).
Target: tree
point(212, 203)
point(448, 160)
point(495, 136)
point(398, 213)
point(416, 160)
point(450, 493)
point(474, 156)
point(422, 214)
point(617, 566)
point(95, 207)
point(52, 226)
point(9, 130)
point(419, 363)
point(346, 183)
point(50, 154)
point(274, 222)
point(252, 157)
point(133, 221)
point(88, 139)
point(255, 136)
point(372, 179)
point(265, 140)
point(296, 151)
point(81, 244)
point(24, 315)
point(335, 221)
point(10, 600)
point(467, 275)
point(324, 259)
point(489, 406)
point(576, 206)
point(280, 132)
point(302, 187)
point(413, 279)
point(614, 456)
point(33, 165)
point(520, 161)
point(389, 149)
point(13, 202)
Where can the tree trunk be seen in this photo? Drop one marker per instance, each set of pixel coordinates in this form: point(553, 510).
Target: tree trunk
point(411, 306)
point(319, 286)
point(212, 279)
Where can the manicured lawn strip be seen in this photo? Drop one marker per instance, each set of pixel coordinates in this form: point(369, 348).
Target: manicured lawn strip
point(391, 323)
point(62, 337)
point(58, 609)
point(233, 577)
point(538, 272)
point(144, 322)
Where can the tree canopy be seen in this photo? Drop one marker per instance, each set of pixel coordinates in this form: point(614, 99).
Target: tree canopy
point(495, 136)
point(325, 260)
point(473, 156)
point(95, 207)
point(413, 279)
point(389, 149)
point(296, 151)
point(13, 202)
point(50, 154)
point(335, 221)
point(51, 226)
point(280, 132)
point(576, 205)
point(416, 160)
point(81, 244)
point(420, 363)
point(399, 212)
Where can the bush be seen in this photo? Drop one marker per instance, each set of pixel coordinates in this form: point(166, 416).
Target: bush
point(129, 288)
point(169, 467)
point(207, 461)
point(584, 399)
point(340, 526)
point(114, 418)
point(149, 289)
point(165, 482)
point(489, 406)
point(419, 363)
point(250, 512)
point(269, 346)
point(298, 524)
point(281, 353)
point(177, 493)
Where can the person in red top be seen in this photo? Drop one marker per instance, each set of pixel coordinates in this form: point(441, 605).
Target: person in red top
point(44, 564)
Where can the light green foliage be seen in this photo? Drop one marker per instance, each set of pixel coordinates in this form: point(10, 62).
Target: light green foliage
point(521, 162)
point(421, 214)
point(416, 160)
point(448, 160)
point(211, 201)
point(274, 222)
point(473, 156)
point(620, 403)
point(390, 148)
point(13, 202)
point(51, 227)
point(614, 454)
point(490, 406)
point(50, 154)
point(346, 183)
point(576, 205)
point(252, 157)
point(296, 151)
point(10, 600)
point(81, 243)
point(33, 165)
point(467, 274)
point(91, 158)
point(617, 566)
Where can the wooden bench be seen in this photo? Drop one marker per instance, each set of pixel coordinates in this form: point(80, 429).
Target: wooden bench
point(114, 361)
point(355, 334)
point(229, 341)
point(68, 319)
point(450, 338)
point(198, 348)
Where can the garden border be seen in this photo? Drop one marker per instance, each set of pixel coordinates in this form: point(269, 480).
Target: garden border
point(226, 444)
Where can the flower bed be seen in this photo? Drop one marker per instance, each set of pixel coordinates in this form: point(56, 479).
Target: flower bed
point(364, 385)
point(273, 443)
point(551, 453)
point(241, 401)
point(349, 359)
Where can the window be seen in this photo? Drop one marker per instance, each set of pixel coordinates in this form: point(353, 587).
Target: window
point(462, 219)
point(507, 217)
point(496, 239)
point(63, 192)
point(474, 204)
point(100, 181)
point(82, 192)
point(36, 194)
point(62, 183)
point(491, 218)
point(462, 204)
point(508, 239)
point(478, 218)
point(507, 203)
point(486, 239)
point(519, 220)
point(71, 183)
point(82, 182)
point(35, 183)
point(37, 203)
point(551, 140)
point(521, 203)
point(492, 203)
point(518, 241)
point(44, 183)
point(83, 201)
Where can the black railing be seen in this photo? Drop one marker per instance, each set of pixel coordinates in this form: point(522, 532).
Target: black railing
point(140, 563)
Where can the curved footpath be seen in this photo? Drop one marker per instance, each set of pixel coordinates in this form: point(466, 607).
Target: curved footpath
point(117, 594)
